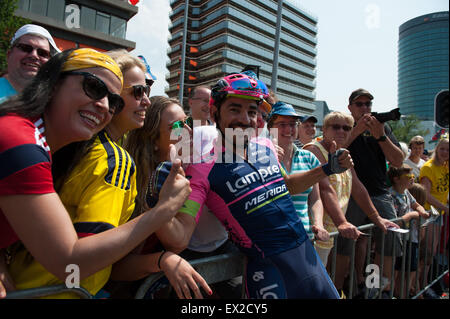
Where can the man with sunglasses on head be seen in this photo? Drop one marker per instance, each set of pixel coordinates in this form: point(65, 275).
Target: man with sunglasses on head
point(371, 145)
point(248, 191)
point(31, 47)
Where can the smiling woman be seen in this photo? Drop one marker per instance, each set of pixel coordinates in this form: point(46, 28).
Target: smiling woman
point(95, 180)
point(56, 109)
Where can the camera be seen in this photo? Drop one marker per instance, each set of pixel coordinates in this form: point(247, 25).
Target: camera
point(392, 115)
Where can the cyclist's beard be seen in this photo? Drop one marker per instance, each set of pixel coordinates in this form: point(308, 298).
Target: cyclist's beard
point(234, 141)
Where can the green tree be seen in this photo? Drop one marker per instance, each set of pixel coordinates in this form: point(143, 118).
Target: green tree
point(407, 127)
point(8, 26)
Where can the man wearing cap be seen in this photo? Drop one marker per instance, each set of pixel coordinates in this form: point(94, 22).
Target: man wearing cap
point(371, 144)
point(307, 129)
point(31, 47)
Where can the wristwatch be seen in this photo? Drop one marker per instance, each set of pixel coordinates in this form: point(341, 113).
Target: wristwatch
point(382, 138)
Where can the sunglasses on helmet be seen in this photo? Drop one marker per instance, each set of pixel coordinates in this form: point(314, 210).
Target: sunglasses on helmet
point(245, 84)
point(96, 89)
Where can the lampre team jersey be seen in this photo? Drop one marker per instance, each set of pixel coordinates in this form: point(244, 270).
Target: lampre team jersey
point(25, 164)
point(249, 197)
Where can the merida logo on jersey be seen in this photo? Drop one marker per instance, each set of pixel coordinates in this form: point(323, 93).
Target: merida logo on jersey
point(248, 179)
point(270, 194)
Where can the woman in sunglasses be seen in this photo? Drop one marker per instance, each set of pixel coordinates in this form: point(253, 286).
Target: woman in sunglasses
point(285, 120)
point(335, 190)
point(149, 145)
point(72, 97)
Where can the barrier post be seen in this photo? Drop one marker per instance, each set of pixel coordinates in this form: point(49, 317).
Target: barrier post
point(425, 257)
point(352, 269)
point(334, 256)
point(368, 254)
point(380, 289)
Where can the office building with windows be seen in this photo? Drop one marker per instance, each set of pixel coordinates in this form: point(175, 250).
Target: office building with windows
point(223, 36)
point(100, 24)
point(423, 67)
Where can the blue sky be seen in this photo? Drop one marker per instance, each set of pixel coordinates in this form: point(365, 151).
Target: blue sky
point(357, 44)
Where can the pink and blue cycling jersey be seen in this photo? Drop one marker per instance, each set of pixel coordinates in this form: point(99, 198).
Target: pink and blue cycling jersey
point(249, 197)
point(252, 201)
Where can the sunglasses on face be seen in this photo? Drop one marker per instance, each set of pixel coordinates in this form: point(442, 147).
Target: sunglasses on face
point(284, 125)
point(139, 91)
point(29, 48)
point(180, 124)
point(337, 127)
point(408, 175)
point(360, 104)
point(96, 89)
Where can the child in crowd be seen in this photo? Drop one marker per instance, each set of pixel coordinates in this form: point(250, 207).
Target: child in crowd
point(409, 210)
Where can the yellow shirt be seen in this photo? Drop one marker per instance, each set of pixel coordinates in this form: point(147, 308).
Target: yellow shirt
point(438, 175)
point(99, 195)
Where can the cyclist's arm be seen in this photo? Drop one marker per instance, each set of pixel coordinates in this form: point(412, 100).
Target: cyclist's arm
point(176, 234)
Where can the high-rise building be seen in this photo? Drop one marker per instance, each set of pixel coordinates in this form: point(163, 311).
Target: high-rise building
point(223, 36)
point(423, 68)
point(100, 24)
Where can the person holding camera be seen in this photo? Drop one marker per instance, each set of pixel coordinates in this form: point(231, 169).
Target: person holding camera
point(371, 144)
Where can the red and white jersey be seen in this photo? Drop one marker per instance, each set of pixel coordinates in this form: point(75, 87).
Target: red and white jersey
point(25, 164)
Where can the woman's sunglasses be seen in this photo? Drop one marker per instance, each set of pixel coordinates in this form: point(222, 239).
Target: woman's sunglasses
point(29, 48)
point(96, 89)
point(139, 91)
point(179, 125)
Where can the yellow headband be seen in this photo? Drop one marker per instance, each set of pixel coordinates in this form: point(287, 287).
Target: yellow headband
point(90, 58)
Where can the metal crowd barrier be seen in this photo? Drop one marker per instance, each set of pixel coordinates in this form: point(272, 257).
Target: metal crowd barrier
point(438, 265)
point(230, 265)
point(213, 269)
point(47, 291)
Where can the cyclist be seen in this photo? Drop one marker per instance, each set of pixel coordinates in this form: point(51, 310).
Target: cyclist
point(249, 193)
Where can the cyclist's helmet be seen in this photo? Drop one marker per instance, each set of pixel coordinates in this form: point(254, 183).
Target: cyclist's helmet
point(238, 85)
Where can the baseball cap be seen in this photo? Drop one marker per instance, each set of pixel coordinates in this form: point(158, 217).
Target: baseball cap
point(308, 118)
point(35, 29)
point(281, 108)
point(357, 93)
